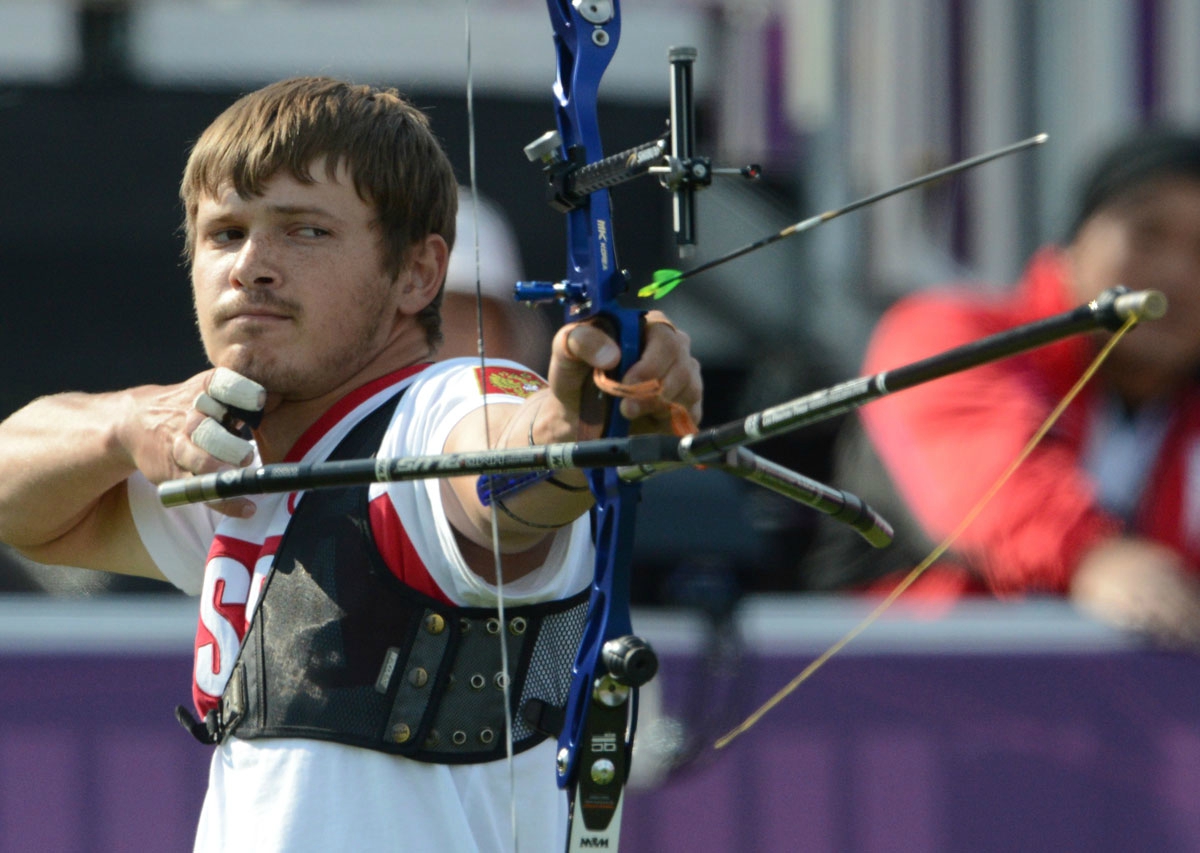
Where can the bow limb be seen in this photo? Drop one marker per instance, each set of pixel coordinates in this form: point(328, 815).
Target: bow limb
point(597, 738)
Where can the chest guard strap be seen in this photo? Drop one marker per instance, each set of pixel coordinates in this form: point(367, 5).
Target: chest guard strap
point(340, 650)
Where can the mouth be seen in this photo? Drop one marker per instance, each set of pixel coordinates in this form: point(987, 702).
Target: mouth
point(254, 314)
point(256, 317)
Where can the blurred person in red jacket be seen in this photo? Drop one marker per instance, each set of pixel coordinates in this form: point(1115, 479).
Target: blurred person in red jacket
point(1106, 510)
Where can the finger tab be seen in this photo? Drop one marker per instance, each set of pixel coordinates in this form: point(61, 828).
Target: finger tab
point(236, 390)
point(206, 405)
point(215, 440)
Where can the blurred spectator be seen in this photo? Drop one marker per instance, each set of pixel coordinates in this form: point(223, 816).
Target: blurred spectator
point(1107, 509)
point(510, 329)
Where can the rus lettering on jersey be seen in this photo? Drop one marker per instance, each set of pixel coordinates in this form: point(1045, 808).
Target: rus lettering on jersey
point(227, 580)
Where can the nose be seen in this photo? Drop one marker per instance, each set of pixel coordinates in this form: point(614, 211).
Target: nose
point(256, 264)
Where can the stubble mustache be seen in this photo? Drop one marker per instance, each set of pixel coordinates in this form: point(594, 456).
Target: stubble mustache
point(259, 303)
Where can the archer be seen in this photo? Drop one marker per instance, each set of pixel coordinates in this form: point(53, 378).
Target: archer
point(317, 267)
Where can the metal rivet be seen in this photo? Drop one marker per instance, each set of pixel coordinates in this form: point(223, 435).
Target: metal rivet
point(518, 625)
point(561, 760)
point(599, 37)
point(435, 623)
point(433, 739)
point(477, 681)
point(487, 736)
point(401, 732)
point(451, 680)
point(609, 692)
point(493, 625)
point(464, 624)
point(459, 737)
point(417, 676)
point(603, 771)
point(501, 680)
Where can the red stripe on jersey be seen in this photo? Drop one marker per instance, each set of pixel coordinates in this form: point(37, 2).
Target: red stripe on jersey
point(202, 701)
point(333, 416)
point(243, 551)
point(270, 546)
point(245, 554)
point(398, 551)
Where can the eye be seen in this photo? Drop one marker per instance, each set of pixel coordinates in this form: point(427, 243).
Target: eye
point(225, 236)
point(311, 231)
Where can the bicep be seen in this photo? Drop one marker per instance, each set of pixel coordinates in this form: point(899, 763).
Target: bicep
point(460, 497)
point(105, 538)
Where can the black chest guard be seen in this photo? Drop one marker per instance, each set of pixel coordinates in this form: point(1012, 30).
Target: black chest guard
point(339, 649)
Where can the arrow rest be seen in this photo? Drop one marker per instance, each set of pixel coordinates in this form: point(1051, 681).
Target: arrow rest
point(571, 178)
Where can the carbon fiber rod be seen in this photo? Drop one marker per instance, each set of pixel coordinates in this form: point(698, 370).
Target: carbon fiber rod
point(1111, 309)
point(650, 454)
point(291, 476)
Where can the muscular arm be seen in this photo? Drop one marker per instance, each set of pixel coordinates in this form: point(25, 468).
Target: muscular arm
point(62, 484)
point(552, 415)
point(64, 463)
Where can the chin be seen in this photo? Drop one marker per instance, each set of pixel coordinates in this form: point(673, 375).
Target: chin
point(262, 370)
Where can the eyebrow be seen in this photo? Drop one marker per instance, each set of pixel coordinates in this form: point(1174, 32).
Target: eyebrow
point(299, 209)
point(282, 210)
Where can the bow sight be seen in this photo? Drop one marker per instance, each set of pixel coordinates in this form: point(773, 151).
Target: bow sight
point(571, 180)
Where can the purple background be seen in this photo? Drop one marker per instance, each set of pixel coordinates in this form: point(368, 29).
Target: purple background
point(974, 750)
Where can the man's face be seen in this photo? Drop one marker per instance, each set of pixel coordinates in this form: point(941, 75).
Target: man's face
point(1149, 238)
point(289, 287)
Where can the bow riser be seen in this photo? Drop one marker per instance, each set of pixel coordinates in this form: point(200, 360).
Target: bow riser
point(597, 738)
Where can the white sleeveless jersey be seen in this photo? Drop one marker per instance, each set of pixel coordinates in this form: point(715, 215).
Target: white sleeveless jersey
point(291, 794)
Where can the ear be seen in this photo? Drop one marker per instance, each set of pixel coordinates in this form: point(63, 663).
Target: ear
point(422, 278)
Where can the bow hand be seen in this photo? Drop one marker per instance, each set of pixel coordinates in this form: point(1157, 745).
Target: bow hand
point(665, 377)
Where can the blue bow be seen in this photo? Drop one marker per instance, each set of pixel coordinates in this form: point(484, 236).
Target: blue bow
point(597, 737)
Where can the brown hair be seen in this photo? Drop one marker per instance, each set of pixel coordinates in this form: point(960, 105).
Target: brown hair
point(395, 161)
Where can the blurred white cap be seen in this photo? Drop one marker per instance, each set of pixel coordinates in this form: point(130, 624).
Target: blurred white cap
point(499, 256)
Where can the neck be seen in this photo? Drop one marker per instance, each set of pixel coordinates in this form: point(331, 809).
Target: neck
point(286, 419)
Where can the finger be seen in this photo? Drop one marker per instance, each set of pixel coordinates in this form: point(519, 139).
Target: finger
point(661, 348)
point(667, 358)
point(208, 406)
point(220, 443)
point(234, 507)
point(664, 348)
point(189, 459)
point(682, 382)
point(236, 390)
point(634, 409)
point(577, 350)
point(589, 345)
